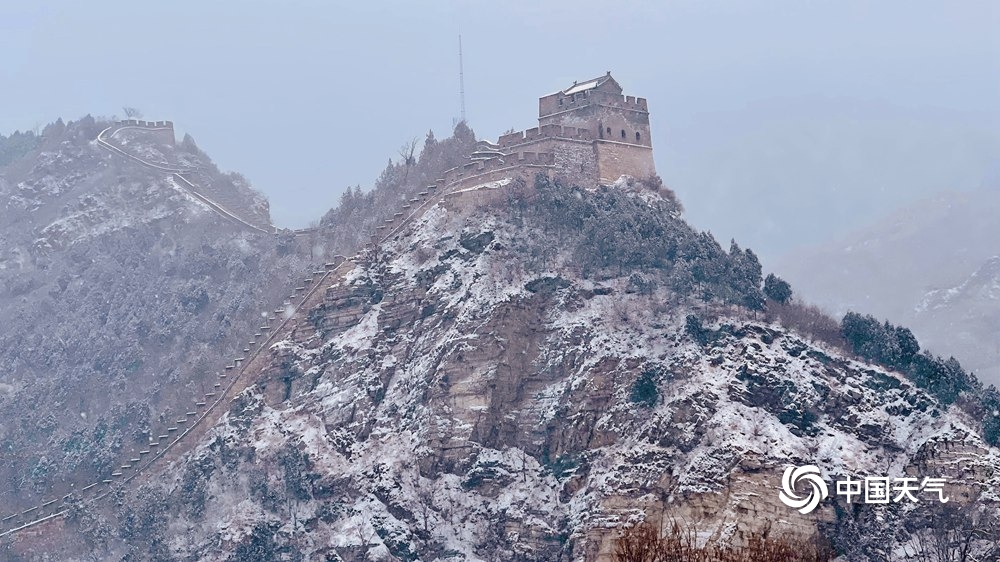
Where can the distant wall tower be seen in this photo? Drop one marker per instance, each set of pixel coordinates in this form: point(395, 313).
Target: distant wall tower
point(620, 125)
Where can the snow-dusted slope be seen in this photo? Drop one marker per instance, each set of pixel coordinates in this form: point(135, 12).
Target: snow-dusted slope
point(120, 294)
point(470, 395)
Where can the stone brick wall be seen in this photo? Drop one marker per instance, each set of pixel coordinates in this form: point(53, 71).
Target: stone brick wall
point(606, 122)
point(616, 159)
point(575, 162)
point(522, 164)
point(549, 106)
point(512, 140)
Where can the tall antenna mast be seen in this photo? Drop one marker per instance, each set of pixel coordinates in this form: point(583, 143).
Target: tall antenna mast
point(461, 77)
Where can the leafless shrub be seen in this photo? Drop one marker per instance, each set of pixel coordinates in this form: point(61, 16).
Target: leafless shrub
point(808, 320)
point(646, 542)
point(953, 534)
point(655, 183)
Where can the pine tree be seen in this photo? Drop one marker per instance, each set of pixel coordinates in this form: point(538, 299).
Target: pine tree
point(777, 289)
point(745, 277)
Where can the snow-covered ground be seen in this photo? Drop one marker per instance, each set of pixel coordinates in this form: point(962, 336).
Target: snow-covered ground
point(479, 406)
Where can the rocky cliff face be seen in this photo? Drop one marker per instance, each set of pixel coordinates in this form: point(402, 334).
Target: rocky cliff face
point(477, 390)
point(119, 295)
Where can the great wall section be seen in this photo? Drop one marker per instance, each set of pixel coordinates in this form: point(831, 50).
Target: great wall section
point(559, 148)
point(232, 378)
point(184, 178)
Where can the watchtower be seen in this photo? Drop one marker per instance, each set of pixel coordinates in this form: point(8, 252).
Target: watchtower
point(598, 105)
point(619, 124)
point(588, 134)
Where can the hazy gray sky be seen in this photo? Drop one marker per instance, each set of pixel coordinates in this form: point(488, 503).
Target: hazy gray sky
point(778, 123)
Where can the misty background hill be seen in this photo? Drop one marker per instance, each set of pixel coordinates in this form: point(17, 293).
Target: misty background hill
point(794, 173)
point(931, 265)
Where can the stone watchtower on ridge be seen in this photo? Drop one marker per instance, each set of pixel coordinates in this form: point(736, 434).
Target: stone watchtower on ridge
point(587, 134)
point(619, 125)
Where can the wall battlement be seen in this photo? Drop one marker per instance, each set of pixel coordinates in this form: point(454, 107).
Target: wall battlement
point(146, 124)
point(555, 103)
point(162, 130)
point(544, 131)
point(477, 168)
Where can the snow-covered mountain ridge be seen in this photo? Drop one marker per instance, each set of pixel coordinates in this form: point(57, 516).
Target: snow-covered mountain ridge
point(472, 394)
point(983, 284)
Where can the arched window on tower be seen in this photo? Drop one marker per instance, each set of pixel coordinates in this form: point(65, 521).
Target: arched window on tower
point(638, 137)
point(609, 131)
point(623, 133)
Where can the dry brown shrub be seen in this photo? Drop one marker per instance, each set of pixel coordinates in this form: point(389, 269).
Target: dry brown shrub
point(646, 542)
point(808, 320)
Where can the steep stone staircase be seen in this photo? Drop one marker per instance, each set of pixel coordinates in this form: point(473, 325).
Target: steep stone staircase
point(233, 378)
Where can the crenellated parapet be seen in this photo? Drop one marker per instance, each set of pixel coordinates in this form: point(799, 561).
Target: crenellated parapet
point(520, 164)
point(544, 132)
point(559, 102)
point(146, 124)
point(476, 168)
point(162, 130)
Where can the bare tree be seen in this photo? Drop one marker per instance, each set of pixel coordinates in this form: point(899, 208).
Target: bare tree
point(132, 113)
point(406, 154)
point(426, 497)
point(648, 542)
point(953, 534)
point(640, 543)
point(366, 530)
point(523, 457)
